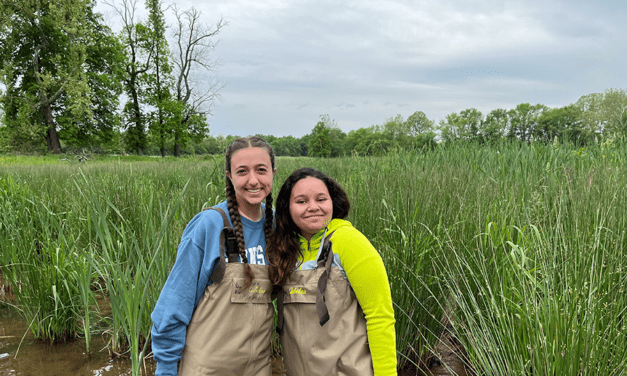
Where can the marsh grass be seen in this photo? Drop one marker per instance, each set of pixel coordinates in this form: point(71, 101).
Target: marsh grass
point(525, 240)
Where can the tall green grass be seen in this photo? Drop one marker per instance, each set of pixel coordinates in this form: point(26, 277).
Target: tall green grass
point(520, 245)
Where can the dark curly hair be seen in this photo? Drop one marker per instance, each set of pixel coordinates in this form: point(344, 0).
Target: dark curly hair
point(283, 245)
point(231, 200)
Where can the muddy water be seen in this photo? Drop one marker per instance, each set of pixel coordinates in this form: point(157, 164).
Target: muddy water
point(22, 355)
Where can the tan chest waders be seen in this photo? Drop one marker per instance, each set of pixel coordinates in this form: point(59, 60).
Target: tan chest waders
point(323, 329)
point(229, 333)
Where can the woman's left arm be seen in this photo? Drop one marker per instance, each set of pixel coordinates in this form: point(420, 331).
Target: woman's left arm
point(366, 273)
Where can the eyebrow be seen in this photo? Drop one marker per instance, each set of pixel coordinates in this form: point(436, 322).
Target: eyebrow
point(315, 196)
point(255, 166)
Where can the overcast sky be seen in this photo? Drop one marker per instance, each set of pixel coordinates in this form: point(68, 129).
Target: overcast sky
point(286, 62)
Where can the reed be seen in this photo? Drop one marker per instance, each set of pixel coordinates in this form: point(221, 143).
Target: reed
point(133, 263)
point(37, 252)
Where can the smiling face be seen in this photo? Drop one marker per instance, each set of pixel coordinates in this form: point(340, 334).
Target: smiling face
point(251, 174)
point(311, 206)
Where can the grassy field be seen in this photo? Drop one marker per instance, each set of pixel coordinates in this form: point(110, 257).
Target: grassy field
point(522, 246)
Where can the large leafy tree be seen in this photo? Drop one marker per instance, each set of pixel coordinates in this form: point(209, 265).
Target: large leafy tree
point(418, 123)
point(464, 126)
point(614, 109)
point(104, 71)
point(592, 120)
point(494, 125)
point(367, 141)
point(320, 144)
point(563, 123)
point(43, 51)
point(397, 132)
point(604, 113)
point(524, 121)
point(326, 139)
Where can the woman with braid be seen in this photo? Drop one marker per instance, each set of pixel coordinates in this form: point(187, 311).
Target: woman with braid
point(335, 310)
point(214, 315)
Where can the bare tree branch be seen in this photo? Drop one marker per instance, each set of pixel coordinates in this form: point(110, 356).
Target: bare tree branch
point(194, 43)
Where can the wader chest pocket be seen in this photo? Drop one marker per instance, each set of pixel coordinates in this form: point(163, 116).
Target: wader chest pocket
point(299, 294)
point(258, 292)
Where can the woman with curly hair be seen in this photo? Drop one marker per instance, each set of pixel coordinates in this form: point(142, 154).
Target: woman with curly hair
point(335, 307)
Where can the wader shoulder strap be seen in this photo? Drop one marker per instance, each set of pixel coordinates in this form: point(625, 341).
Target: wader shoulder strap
point(228, 246)
point(325, 261)
point(326, 248)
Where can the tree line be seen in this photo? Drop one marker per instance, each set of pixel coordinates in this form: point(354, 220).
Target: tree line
point(593, 117)
point(70, 82)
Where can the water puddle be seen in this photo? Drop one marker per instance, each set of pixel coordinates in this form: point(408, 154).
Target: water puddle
point(22, 355)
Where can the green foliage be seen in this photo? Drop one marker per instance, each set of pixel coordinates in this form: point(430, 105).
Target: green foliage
point(62, 76)
point(320, 144)
point(63, 72)
point(286, 146)
point(166, 115)
point(418, 123)
point(604, 113)
point(563, 123)
point(104, 73)
point(495, 125)
point(464, 126)
point(44, 54)
point(5, 139)
point(523, 121)
point(366, 141)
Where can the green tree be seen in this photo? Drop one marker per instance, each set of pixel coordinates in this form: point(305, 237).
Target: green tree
point(563, 123)
point(464, 126)
point(397, 132)
point(320, 144)
point(336, 134)
point(354, 140)
point(524, 121)
point(592, 121)
point(304, 144)
point(105, 72)
point(495, 125)
point(43, 57)
point(614, 110)
point(368, 141)
point(418, 123)
point(287, 146)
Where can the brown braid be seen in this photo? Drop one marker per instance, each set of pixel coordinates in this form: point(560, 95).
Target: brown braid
point(231, 200)
point(231, 204)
